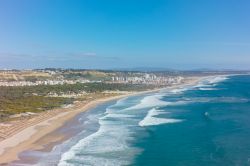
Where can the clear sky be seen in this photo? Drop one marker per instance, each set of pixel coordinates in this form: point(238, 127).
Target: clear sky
point(180, 34)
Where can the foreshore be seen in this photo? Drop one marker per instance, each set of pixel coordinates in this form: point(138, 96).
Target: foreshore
point(26, 138)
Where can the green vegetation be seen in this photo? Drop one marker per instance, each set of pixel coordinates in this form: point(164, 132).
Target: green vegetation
point(90, 75)
point(15, 100)
point(43, 90)
point(30, 104)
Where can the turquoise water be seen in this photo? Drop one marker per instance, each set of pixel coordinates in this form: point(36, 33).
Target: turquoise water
point(215, 130)
point(206, 124)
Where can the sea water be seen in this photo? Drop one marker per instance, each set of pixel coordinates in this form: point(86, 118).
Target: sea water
point(205, 124)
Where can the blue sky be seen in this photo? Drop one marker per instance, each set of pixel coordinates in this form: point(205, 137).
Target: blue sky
point(180, 34)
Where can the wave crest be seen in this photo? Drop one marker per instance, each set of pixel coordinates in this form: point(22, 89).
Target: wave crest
point(150, 119)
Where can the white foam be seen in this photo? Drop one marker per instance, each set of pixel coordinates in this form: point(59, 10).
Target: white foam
point(119, 103)
point(108, 146)
point(179, 90)
point(208, 83)
point(217, 79)
point(109, 140)
point(202, 84)
point(208, 89)
point(150, 119)
point(113, 115)
point(149, 101)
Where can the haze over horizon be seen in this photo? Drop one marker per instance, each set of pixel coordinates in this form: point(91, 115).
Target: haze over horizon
point(97, 34)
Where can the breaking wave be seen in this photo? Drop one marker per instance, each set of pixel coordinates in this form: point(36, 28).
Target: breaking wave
point(151, 120)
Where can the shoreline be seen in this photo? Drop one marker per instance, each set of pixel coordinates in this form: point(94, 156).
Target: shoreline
point(26, 139)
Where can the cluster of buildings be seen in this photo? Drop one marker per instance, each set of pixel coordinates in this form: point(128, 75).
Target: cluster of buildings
point(45, 82)
point(136, 78)
point(148, 79)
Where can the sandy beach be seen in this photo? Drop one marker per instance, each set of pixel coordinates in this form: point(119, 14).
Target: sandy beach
point(25, 137)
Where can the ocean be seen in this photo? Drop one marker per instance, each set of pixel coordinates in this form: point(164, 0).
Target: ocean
point(206, 124)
